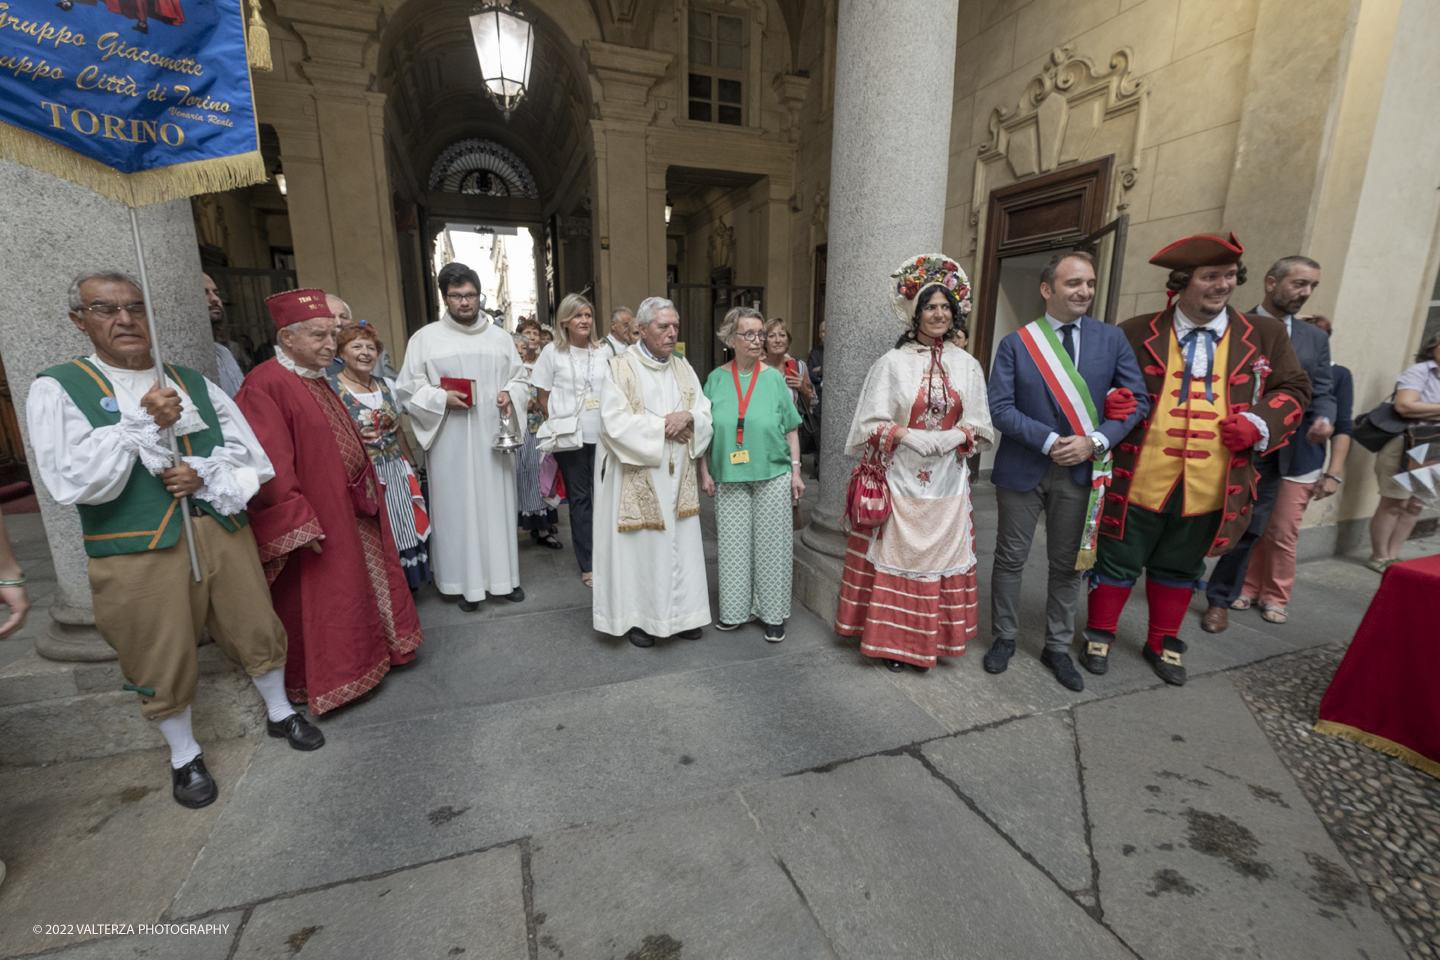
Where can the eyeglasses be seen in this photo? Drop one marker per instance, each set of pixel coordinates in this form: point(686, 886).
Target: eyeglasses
point(462, 297)
point(755, 337)
point(108, 310)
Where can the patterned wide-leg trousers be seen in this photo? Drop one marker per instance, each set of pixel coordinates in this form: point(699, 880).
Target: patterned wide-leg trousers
point(756, 550)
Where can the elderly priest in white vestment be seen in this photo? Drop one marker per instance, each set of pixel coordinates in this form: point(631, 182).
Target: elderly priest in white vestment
point(654, 424)
point(461, 375)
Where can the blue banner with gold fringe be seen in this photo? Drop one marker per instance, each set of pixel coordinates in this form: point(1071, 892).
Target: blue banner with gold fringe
point(139, 100)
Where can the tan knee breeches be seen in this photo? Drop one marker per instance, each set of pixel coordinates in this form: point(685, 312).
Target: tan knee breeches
point(151, 610)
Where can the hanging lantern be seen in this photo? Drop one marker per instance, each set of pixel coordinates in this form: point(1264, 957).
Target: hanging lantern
point(504, 45)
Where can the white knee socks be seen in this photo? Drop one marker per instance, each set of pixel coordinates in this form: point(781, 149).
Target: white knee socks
point(181, 738)
point(272, 688)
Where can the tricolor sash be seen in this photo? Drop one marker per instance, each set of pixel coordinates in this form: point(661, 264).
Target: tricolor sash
point(1072, 396)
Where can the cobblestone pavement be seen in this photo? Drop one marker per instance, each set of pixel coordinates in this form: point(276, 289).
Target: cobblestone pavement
point(1383, 814)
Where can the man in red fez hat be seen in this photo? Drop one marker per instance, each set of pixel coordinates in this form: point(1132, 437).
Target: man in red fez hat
point(1224, 388)
point(324, 535)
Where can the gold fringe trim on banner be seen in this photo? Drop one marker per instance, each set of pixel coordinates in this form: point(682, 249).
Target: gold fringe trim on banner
point(1085, 559)
point(132, 189)
point(257, 41)
point(1417, 760)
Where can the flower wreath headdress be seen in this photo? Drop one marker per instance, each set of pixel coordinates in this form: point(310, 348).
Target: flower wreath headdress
point(917, 274)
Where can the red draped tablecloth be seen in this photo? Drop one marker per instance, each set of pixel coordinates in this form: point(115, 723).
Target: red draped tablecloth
point(1386, 693)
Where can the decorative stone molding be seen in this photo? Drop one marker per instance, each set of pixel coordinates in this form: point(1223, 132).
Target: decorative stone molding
point(622, 78)
point(1061, 118)
point(790, 91)
point(482, 166)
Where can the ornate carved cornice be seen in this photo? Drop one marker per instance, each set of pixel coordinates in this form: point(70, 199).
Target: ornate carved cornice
point(622, 79)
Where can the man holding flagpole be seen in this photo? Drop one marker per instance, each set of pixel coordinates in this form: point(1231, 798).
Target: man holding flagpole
point(1049, 384)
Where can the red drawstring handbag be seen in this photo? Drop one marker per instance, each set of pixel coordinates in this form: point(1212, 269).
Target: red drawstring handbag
point(867, 499)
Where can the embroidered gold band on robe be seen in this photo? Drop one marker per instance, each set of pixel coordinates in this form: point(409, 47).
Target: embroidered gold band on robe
point(639, 503)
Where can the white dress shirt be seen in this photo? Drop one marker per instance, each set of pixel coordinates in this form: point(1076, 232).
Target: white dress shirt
point(1074, 342)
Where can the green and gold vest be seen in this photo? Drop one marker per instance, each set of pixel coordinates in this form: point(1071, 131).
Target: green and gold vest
point(145, 516)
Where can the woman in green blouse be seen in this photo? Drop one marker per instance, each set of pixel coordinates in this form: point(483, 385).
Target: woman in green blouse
point(753, 472)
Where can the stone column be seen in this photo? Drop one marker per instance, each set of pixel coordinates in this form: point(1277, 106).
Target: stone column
point(52, 230)
point(888, 168)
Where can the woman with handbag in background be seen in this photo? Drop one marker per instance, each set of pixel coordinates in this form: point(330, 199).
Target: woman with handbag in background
point(1417, 399)
point(753, 472)
point(567, 382)
point(535, 515)
point(909, 590)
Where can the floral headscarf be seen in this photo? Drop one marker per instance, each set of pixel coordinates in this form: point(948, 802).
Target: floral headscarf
point(917, 274)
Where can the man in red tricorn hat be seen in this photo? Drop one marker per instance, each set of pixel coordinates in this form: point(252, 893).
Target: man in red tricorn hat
point(1224, 387)
point(324, 535)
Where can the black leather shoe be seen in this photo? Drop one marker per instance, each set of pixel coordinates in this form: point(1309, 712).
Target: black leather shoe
point(640, 638)
point(1096, 656)
point(193, 786)
point(516, 595)
point(1064, 669)
point(302, 734)
point(894, 666)
point(692, 634)
point(469, 606)
point(997, 658)
point(774, 632)
point(1167, 665)
point(919, 669)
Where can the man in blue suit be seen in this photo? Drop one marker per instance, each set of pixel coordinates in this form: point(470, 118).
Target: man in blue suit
point(1288, 284)
point(1042, 466)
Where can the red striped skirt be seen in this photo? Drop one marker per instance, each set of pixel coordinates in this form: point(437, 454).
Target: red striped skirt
point(913, 621)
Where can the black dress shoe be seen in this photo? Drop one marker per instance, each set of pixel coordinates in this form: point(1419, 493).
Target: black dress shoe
point(692, 634)
point(193, 786)
point(302, 734)
point(640, 638)
point(894, 666)
point(997, 658)
point(919, 669)
point(469, 606)
point(1064, 669)
point(1167, 665)
point(516, 595)
point(1096, 655)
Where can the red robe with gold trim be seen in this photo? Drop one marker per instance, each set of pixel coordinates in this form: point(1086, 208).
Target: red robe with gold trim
point(347, 609)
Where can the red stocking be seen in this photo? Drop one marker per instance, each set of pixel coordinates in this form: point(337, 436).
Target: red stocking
point(1167, 611)
point(1106, 602)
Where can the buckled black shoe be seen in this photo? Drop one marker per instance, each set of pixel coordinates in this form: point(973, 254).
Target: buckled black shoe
point(997, 658)
point(1064, 669)
point(1167, 665)
point(302, 734)
point(640, 638)
point(193, 786)
point(692, 634)
point(1096, 655)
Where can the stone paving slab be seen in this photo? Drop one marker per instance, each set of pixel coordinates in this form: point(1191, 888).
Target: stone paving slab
point(695, 877)
point(470, 907)
point(1206, 846)
point(416, 790)
point(893, 864)
point(1024, 776)
point(101, 841)
point(214, 945)
point(515, 658)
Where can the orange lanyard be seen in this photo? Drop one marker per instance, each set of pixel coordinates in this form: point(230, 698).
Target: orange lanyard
point(743, 400)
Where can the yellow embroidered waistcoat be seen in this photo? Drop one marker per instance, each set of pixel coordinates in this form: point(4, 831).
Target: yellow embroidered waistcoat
point(1183, 442)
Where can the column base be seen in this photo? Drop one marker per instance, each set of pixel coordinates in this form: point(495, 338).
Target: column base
point(73, 643)
point(819, 567)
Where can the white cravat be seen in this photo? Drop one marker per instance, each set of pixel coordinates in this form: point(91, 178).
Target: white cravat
point(1217, 327)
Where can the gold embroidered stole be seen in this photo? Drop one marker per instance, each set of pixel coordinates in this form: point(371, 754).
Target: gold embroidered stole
point(639, 503)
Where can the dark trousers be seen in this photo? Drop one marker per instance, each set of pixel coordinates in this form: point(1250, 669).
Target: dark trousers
point(1168, 547)
point(577, 467)
point(1063, 502)
point(1228, 578)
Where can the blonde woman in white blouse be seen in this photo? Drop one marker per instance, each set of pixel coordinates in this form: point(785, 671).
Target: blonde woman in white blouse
point(567, 380)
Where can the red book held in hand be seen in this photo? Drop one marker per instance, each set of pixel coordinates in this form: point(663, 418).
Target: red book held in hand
point(466, 388)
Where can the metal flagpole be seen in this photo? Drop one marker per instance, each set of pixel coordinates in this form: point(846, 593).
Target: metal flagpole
point(160, 381)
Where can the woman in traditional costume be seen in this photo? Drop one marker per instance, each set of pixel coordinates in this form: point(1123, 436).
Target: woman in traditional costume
point(371, 403)
point(909, 589)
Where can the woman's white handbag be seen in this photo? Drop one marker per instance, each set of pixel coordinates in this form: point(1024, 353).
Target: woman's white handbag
point(559, 434)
